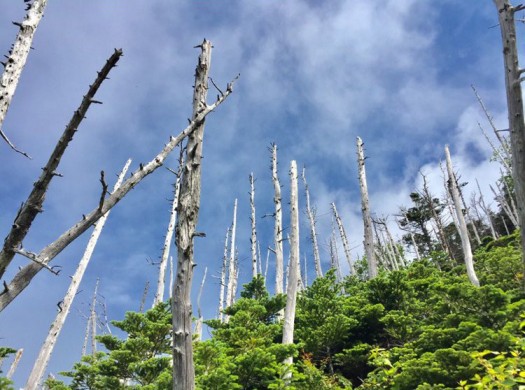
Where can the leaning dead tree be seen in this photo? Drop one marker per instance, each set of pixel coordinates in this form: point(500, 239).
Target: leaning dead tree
point(513, 78)
point(16, 60)
point(224, 270)
point(32, 206)
point(231, 262)
point(462, 225)
point(344, 239)
point(278, 227)
point(365, 208)
point(14, 365)
point(188, 214)
point(293, 277)
point(200, 318)
point(313, 234)
point(159, 296)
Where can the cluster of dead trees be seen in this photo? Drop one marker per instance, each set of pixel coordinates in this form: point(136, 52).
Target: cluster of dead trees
point(380, 248)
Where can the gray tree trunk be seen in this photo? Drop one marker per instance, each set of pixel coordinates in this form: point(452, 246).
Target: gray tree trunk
point(231, 264)
point(313, 233)
point(14, 365)
point(188, 211)
point(344, 239)
point(513, 81)
point(253, 239)
point(200, 319)
point(278, 228)
point(224, 270)
point(293, 279)
point(462, 225)
point(16, 61)
point(365, 208)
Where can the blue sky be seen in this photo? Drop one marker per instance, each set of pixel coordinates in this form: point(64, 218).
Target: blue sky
point(314, 75)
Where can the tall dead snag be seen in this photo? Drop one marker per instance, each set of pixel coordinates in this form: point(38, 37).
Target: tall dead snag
point(224, 269)
point(313, 234)
point(334, 254)
point(365, 208)
point(231, 263)
point(159, 296)
point(14, 365)
point(65, 305)
point(188, 211)
point(93, 319)
point(200, 319)
point(253, 239)
point(16, 61)
point(278, 228)
point(46, 255)
point(293, 278)
point(462, 225)
point(513, 79)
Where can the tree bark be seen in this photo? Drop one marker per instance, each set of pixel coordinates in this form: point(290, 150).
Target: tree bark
point(365, 208)
point(231, 263)
point(188, 211)
point(278, 228)
point(313, 234)
point(291, 293)
point(16, 61)
point(224, 269)
point(200, 320)
point(14, 365)
point(462, 225)
point(515, 108)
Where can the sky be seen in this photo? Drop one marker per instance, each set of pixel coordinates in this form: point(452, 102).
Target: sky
point(313, 76)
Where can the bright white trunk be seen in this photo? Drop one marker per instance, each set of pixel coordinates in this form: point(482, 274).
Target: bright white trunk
point(462, 226)
point(278, 228)
point(344, 239)
point(313, 234)
point(198, 323)
point(14, 365)
point(253, 239)
point(224, 270)
point(231, 264)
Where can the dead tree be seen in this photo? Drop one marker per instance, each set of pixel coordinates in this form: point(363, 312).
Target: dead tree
point(513, 78)
point(278, 227)
point(200, 319)
point(33, 205)
point(313, 234)
point(253, 239)
point(14, 365)
point(64, 306)
point(365, 208)
point(16, 61)
point(334, 254)
point(224, 270)
point(487, 212)
point(231, 263)
point(188, 211)
point(144, 296)
point(344, 239)
point(159, 296)
point(462, 225)
point(293, 279)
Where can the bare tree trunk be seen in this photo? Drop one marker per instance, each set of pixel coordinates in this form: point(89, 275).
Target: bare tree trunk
point(144, 296)
point(462, 226)
point(86, 336)
point(291, 293)
point(334, 255)
point(231, 265)
point(39, 261)
point(278, 229)
point(513, 81)
point(159, 296)
point(93, 319)
point(14, 365)
point(16, 61)
point(313, 233)
point(200, 320)
point(64, 306)
point(236, 277)
point(344, 239)
point(188, 211)
point(486, 210)
point(171, 278)
point(505, 206)
point(365, 208)
point(224, 270)
point(253, 239)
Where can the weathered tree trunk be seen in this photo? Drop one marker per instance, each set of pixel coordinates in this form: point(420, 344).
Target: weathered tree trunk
point(39, 261)
point(188, 211)
point(144, 296)
point(93, 319)
point(171, 278)
point(159, 296)
point(462, 226)
point(14, 365)
point(505, 206)
point(64, 307)
point(224, 270)
point(291, 292)
point(334, 255)
point(313, 234)
point(278, 228)
point(487, 212)
point(344, 239)
point(16, 61)
point(200, 319)
point(253, 239)
point(365, 208)
point(231, 263)
point(515, 107)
